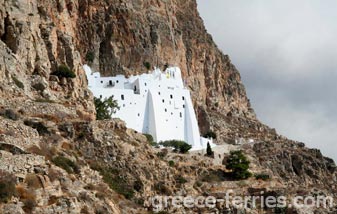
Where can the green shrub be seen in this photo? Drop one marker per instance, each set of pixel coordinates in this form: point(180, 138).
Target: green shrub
point(210, 134)
point(7, 186)
point(264, 177)
point(178, 145)
point(239, 165)
point(209, 151)
point(90, 56)
point(116, 182)
point(171, 163)
point(66, 164)
point(150, 140)
point(18, 83)
point(147, 65)
point(105, 109)
point(180, 179)
point(64, 71)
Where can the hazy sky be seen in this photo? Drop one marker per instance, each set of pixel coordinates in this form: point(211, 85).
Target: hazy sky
point(286, 52)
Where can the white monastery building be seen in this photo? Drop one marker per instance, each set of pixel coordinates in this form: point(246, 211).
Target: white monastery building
point(156, 103)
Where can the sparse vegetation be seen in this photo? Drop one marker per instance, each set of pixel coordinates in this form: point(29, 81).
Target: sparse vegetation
point(180, 179)
point(178, 145)
point(263, 177)
point(7, 186)
point(64, 71)
point(150, 140)
point(147, 65)
point(171, 163)
point(33, 181)
point(17, 82)
point(239, 165)
point(28, 198)
point(66, 164)
point(105, 108)
point(90, 56)
point(214, 176)
point(116, 182)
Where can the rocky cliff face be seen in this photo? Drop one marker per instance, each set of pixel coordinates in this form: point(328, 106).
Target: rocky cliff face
point(123, 35)
point(65, 161)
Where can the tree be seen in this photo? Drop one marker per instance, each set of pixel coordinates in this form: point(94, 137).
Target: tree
point(239, 165)
point(209, 151)
point(105, 109)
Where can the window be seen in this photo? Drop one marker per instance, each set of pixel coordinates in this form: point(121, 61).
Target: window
point(102, 82)
point(163, 101)
point(181, 114)
point(123, 105)
point(135, 88)
point(159, 92)
point(171, 96)
point(145, 84)
point(117, 81)
point(122, 96)
point(183, 98)
point(165, 110)
point(138, 115)
point(171, 113)
point(110, 82)
point(183, 106)
point(100, 96)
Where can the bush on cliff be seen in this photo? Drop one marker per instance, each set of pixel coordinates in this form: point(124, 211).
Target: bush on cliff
point(178, 145)
point(7, 186)
point(64, 71)
point(105, 108)
point(239, 165)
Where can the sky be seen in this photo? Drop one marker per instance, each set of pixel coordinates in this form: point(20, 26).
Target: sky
point(286, 52)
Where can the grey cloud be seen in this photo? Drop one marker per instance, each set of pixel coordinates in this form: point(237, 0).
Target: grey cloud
point(286, 52)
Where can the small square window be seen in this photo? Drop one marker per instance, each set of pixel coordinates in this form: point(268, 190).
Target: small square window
point(122, 96)
point(171, 96)
point(163, 101)
point(183, 98)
